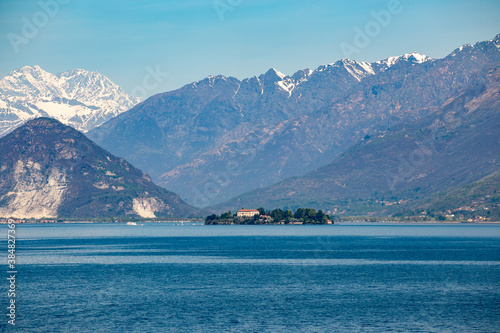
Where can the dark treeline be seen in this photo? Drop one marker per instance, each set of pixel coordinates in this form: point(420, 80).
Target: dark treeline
point(277, 216)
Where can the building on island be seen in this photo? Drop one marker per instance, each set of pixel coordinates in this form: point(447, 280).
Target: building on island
point(247, 213)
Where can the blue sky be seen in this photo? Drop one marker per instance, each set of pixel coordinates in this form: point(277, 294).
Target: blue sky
point(191, 39)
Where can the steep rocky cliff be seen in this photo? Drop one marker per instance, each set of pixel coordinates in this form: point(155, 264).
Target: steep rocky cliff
point(51, 170)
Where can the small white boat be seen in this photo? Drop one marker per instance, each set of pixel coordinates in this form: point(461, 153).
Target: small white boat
point(131, 223)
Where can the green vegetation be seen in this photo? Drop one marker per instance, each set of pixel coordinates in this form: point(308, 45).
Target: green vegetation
point(277, 216)
point(477, 202)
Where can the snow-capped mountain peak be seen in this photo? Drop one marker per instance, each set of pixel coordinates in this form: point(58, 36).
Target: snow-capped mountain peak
point(35, 70)
point(277, 72)
point(78, 98)
point(272, 75)
point(303, 73)
point(468, 49)
point(358, 70)
point(414, 58)
point(28, 81)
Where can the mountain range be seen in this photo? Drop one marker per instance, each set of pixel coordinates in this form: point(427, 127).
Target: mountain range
point(220, 137)
point(50, 170)
point(79, 98)
point(414, 165)
point(403, 135)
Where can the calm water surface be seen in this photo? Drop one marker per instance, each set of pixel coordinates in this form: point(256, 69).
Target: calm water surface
point(341, 278)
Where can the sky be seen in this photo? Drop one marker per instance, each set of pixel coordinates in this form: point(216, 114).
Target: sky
point(148, 47)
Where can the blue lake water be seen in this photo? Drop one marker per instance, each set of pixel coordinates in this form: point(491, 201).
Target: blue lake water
point(341, 278)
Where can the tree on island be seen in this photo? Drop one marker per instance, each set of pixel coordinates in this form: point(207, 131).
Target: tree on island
point(227, 215)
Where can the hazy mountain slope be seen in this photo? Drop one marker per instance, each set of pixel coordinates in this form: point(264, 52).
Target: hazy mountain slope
point(477, 201)
point(220, 137)
point(452, 147)
point(51, 170)
point(77, 98)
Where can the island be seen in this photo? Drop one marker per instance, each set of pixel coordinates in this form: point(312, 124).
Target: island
point(277, 216)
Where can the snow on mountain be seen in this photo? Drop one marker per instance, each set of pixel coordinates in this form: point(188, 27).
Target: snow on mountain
point(414, 58)
point(492, 45)
point(350, 68)
point(78, 98)
point(359, 70)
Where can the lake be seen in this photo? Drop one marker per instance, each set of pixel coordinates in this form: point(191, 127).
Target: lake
point(160, 277)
